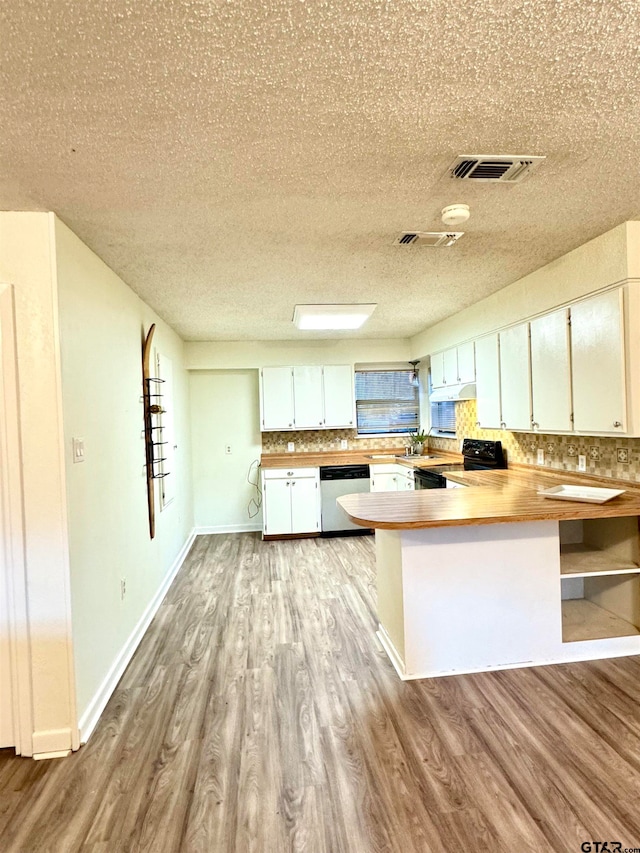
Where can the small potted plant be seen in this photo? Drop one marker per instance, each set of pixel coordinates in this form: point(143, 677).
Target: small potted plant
point(418, 440)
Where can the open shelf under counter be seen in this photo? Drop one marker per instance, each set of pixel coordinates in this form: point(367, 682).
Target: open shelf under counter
point(584, 620)
point(579, 560)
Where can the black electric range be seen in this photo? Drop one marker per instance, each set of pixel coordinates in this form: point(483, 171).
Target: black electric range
point(477, 455)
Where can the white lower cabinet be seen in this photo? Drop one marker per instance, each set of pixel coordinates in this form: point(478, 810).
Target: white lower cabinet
point(291, 501)
point(389, 477)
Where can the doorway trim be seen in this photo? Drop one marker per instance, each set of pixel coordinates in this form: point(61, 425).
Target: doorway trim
point(11, 507)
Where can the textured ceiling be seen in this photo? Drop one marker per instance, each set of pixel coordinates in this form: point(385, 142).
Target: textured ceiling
point(229, 159)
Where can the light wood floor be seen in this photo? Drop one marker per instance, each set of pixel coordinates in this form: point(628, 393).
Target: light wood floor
point(260, 714)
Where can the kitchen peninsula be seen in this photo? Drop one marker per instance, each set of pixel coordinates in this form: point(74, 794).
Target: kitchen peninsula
point(495, 576)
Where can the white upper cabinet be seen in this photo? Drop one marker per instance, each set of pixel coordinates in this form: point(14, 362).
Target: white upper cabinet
point(598, 364)
point(466, 363)
point(515, 384)
point(339, 397)
point(276, 398)
point(453, 366)
point(307, 397)
point(488, 382)
point(550, 372)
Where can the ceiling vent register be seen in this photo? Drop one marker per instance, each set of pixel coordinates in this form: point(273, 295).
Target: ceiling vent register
point(494, 168)
point(435, 239)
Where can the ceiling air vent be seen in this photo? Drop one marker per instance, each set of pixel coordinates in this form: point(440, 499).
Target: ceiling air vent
point(435, 239)
point(506, 168)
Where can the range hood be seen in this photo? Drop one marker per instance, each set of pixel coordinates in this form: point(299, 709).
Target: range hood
point(465, 391)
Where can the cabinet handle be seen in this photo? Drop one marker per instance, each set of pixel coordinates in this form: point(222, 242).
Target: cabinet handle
point(290, 425)
point(503, 425)
point(477, 423)
point(289, 473)
point(535, 424)
point(617, 423)
point(320, 422)
point(293, 482)
point(288, 483)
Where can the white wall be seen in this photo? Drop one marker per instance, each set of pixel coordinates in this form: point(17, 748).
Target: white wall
point(231, 355)
point(598, 263)
point(224, 411)
point(27, 262)
point(102, 327)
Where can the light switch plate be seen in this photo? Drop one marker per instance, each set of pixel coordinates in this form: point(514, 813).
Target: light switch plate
point(582, 463)
point(540, 459)
point(344, 444)
point(227, 449)
point(291, 447)
point(78, 449)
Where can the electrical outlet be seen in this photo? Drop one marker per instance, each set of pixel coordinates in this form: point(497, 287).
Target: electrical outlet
point(227, 449)
point(344, 444)
point(123, 588)
point(582, 463)
point(540, 459)
point(291, 447)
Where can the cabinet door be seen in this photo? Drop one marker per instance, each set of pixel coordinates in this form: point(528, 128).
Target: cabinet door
point(466, 363)
point(277, 398)
point(550, 379)
point(277, 507)
point(437, 370)
point(383, 482)
point(488, 382)
point(450, 361)
point(307, 397)
point(339, 397)
point(515, 383)
point(305, 515)
point(597, 353)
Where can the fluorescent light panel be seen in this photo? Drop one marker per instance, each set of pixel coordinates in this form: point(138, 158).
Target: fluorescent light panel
point(317, 317)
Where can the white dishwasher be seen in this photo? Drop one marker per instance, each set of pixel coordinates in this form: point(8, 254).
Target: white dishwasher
point(335, 481)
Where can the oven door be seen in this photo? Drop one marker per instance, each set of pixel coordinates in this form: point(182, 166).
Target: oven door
point(429, 480)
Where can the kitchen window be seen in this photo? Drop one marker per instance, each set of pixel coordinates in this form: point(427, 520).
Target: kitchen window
point(443, 418)
point(386, 402)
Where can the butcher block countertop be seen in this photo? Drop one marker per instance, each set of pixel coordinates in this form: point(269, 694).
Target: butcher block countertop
point(357, 457)
point(493, 497)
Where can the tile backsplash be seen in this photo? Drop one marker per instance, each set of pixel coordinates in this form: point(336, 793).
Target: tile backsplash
point(616, 457)
point(313, 441)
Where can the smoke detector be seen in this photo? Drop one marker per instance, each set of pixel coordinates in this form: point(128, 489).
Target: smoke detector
point(455, 214)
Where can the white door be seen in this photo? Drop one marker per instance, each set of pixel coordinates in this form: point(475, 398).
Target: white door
point(515, 385)
point(450, 361)
point(437, 370)
point(277, 398)
point(488, 382)
point(305, 515)
point(339, 397)
point(550, 377)
point(307, 398)
point(597, 353)
point(277, 507)
point(466, 363)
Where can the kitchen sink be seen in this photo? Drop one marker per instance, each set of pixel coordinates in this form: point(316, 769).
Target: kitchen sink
point(381, 456)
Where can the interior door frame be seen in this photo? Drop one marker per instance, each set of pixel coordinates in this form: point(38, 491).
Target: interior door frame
point(11, 507)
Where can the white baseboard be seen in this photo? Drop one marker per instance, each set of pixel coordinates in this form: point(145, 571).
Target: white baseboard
point(96, 706)
point(229, 528)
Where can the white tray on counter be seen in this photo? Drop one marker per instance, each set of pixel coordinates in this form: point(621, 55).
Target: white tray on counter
point(586, 494)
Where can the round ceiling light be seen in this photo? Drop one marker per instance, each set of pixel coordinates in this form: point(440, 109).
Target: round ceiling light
point(455, 214)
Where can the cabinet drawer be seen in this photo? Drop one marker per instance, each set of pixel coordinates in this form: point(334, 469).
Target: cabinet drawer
point(289, 473)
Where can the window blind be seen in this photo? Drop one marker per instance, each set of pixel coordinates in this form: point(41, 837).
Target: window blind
point(386, 402)
point(443, 416)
